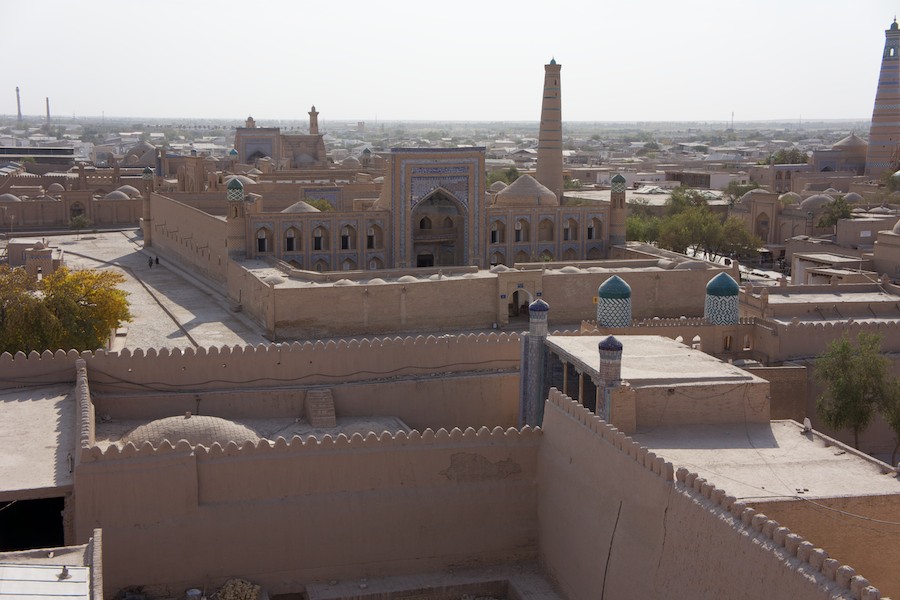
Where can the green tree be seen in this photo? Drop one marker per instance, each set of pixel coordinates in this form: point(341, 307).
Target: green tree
point(793, 156)
point(682, 198)
point(834, 212)
point(890, 410)
point(855, 380)
point(642, 228)
point(320, 203)
point(77, 223)
point(735, 190)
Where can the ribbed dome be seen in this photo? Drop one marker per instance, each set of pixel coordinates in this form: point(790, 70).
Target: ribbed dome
point(614, 287)
point(722, 284)
point(196, 429)
point(300, 207)
point(351, 163)
point(538, 306)
point(233, 153)
point(526, 191)
point(235, 184)
point(617, 178)
point(851, 141)
point(610, 344)
point(816, 201)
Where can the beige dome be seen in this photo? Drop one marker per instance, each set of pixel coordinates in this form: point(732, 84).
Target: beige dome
point(853, 198)
point(748, 195)
point(790, 198)
point(497, 186)
point(526, 191)
point(350, 163)
point(129, 190)
point(116, 195)
point(9, 198)
point(896, 228)
point(300, 207)
point(815, 202)
point(196, 429)
point(55, 187)
point(851, 141)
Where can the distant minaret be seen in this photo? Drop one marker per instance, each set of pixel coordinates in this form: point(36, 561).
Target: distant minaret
point(884, 135)
point(19, 104)
point(47, 99)
point(550, 146)
point(314, 121)
point(618, 213)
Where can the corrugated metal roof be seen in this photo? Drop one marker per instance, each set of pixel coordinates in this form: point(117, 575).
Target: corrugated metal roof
point(43, 582)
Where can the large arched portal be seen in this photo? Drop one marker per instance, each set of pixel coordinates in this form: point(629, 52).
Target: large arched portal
point(438, 234)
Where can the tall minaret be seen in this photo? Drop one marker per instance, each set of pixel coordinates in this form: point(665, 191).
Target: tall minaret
point(550, 146)
point(19, 104)
point(618, 213)
point(314, 121)
point(884, 135)
point(48, 109)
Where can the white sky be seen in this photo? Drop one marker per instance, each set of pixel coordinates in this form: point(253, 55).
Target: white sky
point(642, 60)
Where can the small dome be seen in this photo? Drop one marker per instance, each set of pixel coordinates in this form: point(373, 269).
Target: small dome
point(896, 228)
point(831, 191)
point(300, 207)
point(526, 191)
point(242, 178)
point(235, 184)
point(9, 198)
point(690, 265)
point(538, 306)
point(815, 202)
point(376, 281)
point(497, 186)
point(790, 198)
point(610, 344)
point(894, 24)
point(617, 178)
point(274, 279)
point(344, 282)
point(614, 287)
point(722, 284)
point(881, 210)
point(351, 163)
point(853, 198)
point(196, 429)
point(130, 191)
point(55, 187)
point(851, 141)
point(39, 246)
point(748, 195)
point(407, 279)
point(116, 195)
point(553, 61)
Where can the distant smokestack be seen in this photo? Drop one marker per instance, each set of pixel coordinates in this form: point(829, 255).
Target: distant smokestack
point(19, 104)
point(48, 110)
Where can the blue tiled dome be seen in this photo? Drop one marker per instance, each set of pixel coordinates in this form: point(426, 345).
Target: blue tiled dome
point(722, 285)
point(235, 184)
point(538, 306)
point(614, 288)
point(617, 178)
point(610, 344)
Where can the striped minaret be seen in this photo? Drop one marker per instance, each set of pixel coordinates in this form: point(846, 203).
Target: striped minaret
point(550, 143)
point(884, 134)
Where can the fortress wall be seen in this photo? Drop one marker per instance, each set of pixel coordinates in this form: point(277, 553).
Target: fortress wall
point(256, 298)
point(617, 521)
point(263, 366)
point(189, 236)
point(456, 303)
point(787, 390)
point(856, 530)
point(486, 398)
point(284, 514)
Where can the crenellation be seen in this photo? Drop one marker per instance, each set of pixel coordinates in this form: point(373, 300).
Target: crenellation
point(758, 522)
point(804, 550)
point(769, 528)
point(779, 536)
point(791, 543)
point(830, 568)
point(817, 558)
point(843, 576)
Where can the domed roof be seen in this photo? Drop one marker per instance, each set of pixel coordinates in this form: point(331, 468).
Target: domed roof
point(691, 265)
point(538, 306)
point(116, 195)
point(896, 228)
point(141, 153)
point(39, 246)
point(851, 141)
point(748, 195)
point(129, 191)
point(351, 163)
point(196, 429)
point(614, 288)
point(497, 186)
point(526, 191)
point(790, 198)
point(9, 198)
point(299, 207)
point(853, 198)
point(816, 201)
point(610, 344)
point(881, 210)
point(831, 191)
point(617, 178)
point(235, 184)
point(55, 187)
point(722, 284)
point(242, 178)
point(232, 152)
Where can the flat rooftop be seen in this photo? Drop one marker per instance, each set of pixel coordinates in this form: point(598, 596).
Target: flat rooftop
point(37, 440)
point(651, 360)
point(774, 461)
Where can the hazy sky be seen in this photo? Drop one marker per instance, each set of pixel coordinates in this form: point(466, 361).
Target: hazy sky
point(636, 60)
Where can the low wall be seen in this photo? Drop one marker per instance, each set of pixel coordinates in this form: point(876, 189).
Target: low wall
point(288, 513)
point(787, 390)
point(617, 521)
point(190, 237)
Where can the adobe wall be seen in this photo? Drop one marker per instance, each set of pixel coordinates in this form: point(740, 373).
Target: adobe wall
point(617, 521)
point(664, 406)
point(787, 390)
point(862, 531)
point(288, 513)
point(190, 237)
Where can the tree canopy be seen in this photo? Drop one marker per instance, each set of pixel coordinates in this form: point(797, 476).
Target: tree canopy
point(735, 190)
point(834, 212)
point(65, 310)
point(792, 156)
point(856, 384)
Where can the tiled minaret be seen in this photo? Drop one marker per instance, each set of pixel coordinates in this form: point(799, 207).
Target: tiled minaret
point(236, 219)
point(146, 215)
point(533, 366)
point(618, 213)
point(550, 143)
point(614, 303)
point(884, 134)
point(610, 369)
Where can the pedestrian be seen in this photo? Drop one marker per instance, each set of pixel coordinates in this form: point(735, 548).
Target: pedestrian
point(150, 262)
point(156, 260)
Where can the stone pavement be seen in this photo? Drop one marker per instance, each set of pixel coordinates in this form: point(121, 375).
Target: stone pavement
point(169, 309)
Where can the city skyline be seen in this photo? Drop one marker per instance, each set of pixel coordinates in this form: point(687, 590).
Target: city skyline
point(652, 61)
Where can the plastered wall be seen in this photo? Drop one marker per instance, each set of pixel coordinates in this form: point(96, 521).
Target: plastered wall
point(616, 521)
point(193, 238)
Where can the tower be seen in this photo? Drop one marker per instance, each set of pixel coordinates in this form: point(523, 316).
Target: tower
point(614, 303)
point(314, 121)
point(19, 104)
point(721, 306)
point(47, 99)
point(617, 211)
point(534, 364)
point(884, 134)
point(610, 369)
point(146, 215)
point(550, 146)
point(236, 241)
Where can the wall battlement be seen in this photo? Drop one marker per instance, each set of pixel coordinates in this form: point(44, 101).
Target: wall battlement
point(756, 529)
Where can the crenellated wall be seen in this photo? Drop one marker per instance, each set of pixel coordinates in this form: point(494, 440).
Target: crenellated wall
point(286, 512)
point(617, 521)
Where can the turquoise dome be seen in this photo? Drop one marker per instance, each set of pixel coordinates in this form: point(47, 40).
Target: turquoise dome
point(232, 152)
point(617, 178)
point(235, 184)
point(722, 284)
point(614, 288)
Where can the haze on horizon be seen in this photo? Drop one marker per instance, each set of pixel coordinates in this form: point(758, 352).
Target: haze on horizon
point(650, 60)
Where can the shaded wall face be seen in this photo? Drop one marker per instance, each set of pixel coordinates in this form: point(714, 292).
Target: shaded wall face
point(190, 236)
